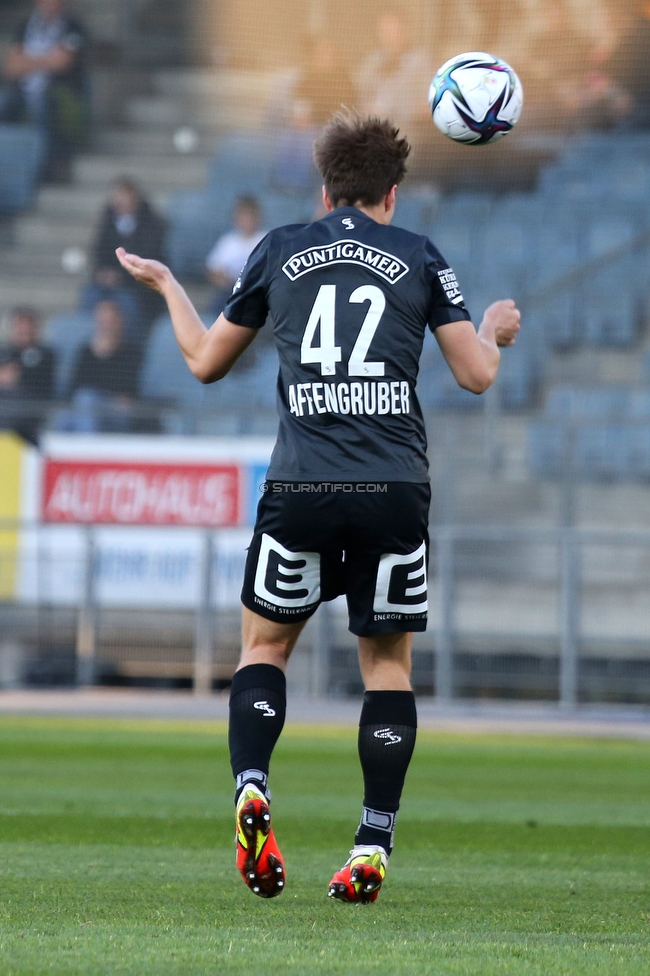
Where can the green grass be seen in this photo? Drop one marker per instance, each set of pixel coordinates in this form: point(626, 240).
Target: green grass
point(514, 856)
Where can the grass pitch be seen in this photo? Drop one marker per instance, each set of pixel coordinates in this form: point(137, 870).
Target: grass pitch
point(513, 856)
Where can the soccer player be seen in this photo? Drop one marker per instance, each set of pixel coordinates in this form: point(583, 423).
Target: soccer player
point(347, 493)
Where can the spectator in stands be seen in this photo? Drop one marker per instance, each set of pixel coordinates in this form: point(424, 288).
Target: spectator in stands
point(130, 222)
point(45, 83)
point(317, 89)
point(628, 66)
point(392, 82)
point(26, 375)
point(229, 255)
point(392, 79)
point(104, 382)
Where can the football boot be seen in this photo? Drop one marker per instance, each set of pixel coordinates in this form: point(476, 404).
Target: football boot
point(361, 877)
point(259, 859)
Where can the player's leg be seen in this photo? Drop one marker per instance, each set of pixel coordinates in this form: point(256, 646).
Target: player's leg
point(386, 560)
point(257, 712)
point(292, 554)
point(258, 696)
point(387, 730)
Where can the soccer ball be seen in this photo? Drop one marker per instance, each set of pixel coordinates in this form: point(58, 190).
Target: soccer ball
point(475, 98)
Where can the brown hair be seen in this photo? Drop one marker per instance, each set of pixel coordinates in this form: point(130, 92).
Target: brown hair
point(360, 159)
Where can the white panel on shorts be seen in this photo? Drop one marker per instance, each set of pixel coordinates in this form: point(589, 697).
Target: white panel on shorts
point(387, 565)
point(289, 577)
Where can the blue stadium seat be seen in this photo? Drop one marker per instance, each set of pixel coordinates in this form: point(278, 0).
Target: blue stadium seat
point(609, 452)
point(286, 208)
point(21, 154)
point(519, 377)
point(578, 404)
point(598, 454)
point(609, 311)
point(416, 210)
point(437, 389)
point(560, 324)
point(639, 405)
point(457, 243)
point(196, 219)
point(548, 449)
point(608, 231)
point(164, 375)
point(243, 160)
point(472, 207)
point(65, 334)
point(635, 446)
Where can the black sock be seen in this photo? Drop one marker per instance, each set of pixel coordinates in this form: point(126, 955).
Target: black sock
point(258, 702)
point(387, 731)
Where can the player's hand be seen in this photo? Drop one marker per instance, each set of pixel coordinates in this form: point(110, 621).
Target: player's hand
point(504, 318)
point(154, 274)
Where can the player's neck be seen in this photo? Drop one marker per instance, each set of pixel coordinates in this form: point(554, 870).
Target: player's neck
point(378, 212)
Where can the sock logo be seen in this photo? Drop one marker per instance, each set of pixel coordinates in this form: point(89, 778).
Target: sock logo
point(263, 706)
point(391, 737)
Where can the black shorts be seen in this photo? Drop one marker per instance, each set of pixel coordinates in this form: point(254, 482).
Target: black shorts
point(314, 541)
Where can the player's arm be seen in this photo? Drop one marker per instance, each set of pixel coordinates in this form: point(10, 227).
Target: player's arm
point(18, 64)
point(472, 356)
point(209, 353)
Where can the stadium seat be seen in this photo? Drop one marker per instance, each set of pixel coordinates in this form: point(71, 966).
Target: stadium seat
point(606, 232)
point(243, 161)
point(608, 311)
point(196, 219)
point(416, 210)
point(165, 377)
point(286, 208)
point(598, 453)
point(437, 389)
point(639, 405)
point(21, 154)
point(65, 334)
point(548, 449)
point(457, 245)
point(561, 325)
point(578, 404)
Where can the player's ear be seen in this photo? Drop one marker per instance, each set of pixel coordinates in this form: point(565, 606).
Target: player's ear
point(390, 199)
point(327, 203)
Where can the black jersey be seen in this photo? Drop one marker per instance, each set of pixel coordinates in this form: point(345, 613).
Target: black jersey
point(350, 300)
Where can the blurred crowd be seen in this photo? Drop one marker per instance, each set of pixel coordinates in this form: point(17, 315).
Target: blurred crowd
point(100, 390)
point(583, 60)
point(45, 82)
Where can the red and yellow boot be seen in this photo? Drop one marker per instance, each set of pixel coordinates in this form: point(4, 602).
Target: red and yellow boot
point(361, 877)
point(259, 859)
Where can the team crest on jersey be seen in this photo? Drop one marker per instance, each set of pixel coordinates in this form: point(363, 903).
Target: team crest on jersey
point(387, 266)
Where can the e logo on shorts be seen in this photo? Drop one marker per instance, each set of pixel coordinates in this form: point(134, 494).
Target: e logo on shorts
point(402, 583)
point(284, 578)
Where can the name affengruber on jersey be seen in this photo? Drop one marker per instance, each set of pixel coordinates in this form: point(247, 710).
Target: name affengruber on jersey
point(350, 398)
point(350, 301)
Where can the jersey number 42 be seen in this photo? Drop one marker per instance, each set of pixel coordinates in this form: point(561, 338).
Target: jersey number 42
point(328, 354)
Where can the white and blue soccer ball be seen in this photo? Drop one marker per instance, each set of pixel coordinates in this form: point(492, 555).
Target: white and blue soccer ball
point(475, 98)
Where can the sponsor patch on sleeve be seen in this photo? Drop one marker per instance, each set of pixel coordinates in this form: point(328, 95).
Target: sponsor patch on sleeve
point(450, 285)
